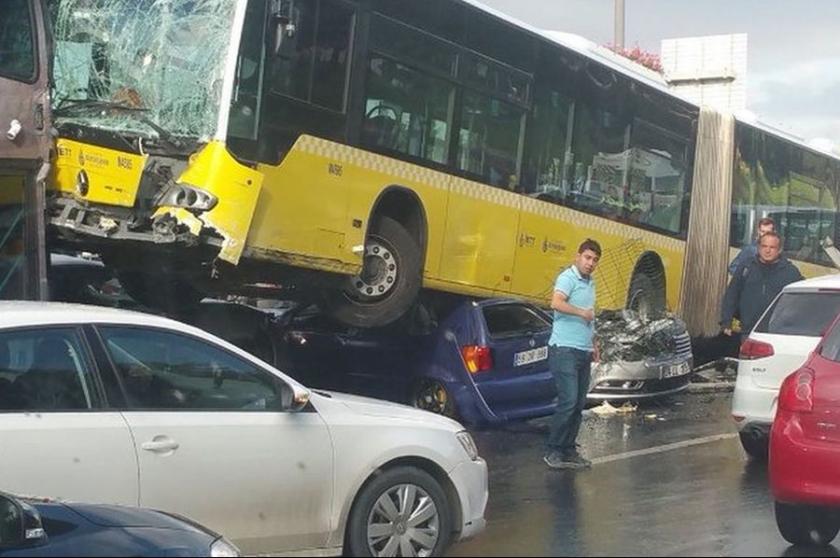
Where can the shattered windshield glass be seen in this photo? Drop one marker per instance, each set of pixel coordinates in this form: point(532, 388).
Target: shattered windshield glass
point(151, 67)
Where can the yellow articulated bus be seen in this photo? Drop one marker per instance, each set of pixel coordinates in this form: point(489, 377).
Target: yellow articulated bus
point(370, 149)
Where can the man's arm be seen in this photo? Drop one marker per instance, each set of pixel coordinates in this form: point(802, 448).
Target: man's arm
point(736, 263)
point(560, 303)
point(743, 258)
point(731, 299)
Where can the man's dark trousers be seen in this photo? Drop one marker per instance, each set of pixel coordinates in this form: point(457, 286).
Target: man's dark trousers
point(572, 369)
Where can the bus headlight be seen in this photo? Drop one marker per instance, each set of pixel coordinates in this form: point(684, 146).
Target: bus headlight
point(188, 197)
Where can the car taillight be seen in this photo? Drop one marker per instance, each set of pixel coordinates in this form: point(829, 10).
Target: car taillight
point(477, 358)
point(753, 350)
point(797, 392)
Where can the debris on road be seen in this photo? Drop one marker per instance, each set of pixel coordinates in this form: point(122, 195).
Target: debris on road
point(607, 410)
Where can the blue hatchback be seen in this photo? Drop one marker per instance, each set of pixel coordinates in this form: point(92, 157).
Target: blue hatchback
point(484, 362)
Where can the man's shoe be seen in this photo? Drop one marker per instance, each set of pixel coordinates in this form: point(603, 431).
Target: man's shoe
point(556, 461)
point(577, 459)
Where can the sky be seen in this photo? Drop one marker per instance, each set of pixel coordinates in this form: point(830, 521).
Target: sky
point(793, 72)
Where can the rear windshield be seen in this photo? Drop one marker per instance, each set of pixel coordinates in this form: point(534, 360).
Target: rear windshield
point(510, 320)
point(831, 345)
point(807, 314)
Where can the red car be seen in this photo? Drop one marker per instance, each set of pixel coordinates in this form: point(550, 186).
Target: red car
point(805, 448)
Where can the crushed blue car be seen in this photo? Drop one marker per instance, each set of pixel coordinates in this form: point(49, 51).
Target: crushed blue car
point(484, 362)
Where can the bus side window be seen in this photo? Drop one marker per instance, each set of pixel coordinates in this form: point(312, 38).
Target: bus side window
point(247, 99)
point(313, 61)
point(489, 140)
point(549, 141)
point(407, 111)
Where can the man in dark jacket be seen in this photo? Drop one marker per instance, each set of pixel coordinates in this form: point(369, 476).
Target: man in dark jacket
point(756, 283)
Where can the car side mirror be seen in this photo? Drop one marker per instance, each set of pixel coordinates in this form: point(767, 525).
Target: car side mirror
point(292, 399)
point(20, 525)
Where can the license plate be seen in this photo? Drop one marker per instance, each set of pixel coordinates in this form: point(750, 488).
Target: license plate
point(530, 357)
point(676, 370)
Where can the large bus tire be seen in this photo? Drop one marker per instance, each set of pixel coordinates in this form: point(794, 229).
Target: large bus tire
point(388, 284)
point(645, 296)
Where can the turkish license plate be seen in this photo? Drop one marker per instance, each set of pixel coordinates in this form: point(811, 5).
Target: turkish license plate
point(530, 357)
point(676, 370)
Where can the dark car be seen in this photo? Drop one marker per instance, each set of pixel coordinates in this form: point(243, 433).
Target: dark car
point(39, 527)
point(482, 362)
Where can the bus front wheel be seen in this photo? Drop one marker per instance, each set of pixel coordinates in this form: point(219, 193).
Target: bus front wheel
point(389, 282)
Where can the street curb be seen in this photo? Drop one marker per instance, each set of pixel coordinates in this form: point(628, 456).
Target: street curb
point(711, 387)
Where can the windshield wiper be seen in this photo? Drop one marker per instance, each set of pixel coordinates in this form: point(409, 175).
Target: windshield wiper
point(68, 105)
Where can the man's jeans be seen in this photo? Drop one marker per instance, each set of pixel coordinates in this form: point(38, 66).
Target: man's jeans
point(571, 369)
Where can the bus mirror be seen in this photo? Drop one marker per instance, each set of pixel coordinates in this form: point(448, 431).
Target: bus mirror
point(283, 24)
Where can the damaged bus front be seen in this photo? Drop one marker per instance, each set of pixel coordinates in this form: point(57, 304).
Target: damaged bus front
point(142, 103)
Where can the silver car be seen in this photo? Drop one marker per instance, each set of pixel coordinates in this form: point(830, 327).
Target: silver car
point(640, 358)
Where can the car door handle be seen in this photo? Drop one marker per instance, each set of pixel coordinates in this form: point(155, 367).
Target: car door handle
point(14, 129)
point(160, 445)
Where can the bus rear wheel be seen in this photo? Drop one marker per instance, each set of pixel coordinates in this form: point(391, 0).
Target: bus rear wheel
point(388, 283)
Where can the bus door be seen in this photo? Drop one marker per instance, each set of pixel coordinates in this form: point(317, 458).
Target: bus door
point(24, 77)
point(24, 147)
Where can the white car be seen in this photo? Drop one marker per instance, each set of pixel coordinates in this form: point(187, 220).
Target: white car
point(111, 406)
point(779, 344)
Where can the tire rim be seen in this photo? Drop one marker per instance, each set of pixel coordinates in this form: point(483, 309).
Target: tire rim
point(379, 272)
point(641, 303)
point(404, 521)
point(433, 398)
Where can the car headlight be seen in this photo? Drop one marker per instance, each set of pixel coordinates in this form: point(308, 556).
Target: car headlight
point(223, 548)
point(468, 444)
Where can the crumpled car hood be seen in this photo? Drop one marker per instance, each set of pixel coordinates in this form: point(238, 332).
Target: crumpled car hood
point(625, 336)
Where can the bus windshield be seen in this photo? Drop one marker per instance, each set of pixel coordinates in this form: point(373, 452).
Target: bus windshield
point(149, 67)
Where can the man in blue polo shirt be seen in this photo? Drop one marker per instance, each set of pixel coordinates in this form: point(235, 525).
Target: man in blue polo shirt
point(570, 351)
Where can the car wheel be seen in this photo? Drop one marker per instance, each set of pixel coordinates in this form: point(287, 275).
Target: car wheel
point(403, 511)
point(388, 284)
point(755, 445)
point(432, 396)
point(806, 525)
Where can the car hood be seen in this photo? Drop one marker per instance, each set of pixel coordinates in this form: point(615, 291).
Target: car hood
point(123, 517)
point(386, 409)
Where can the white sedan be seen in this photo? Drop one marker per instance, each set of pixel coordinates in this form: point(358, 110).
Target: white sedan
point(118, 407)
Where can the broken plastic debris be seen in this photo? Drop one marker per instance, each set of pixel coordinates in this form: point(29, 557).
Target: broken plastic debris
point(627, 409)
point(607, 410)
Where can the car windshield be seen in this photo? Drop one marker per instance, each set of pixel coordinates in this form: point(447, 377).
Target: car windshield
point(151, 67)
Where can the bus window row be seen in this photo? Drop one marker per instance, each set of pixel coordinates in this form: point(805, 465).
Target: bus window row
point(794, 186)
point(584, 138)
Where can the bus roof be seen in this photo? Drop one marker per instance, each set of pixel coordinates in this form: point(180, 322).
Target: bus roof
point(620, 64)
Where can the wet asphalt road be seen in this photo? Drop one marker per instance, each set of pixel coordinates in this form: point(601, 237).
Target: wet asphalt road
point(668, 480)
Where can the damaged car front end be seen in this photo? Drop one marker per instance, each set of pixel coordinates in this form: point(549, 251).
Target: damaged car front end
point(142, 98)
point(640, 357)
